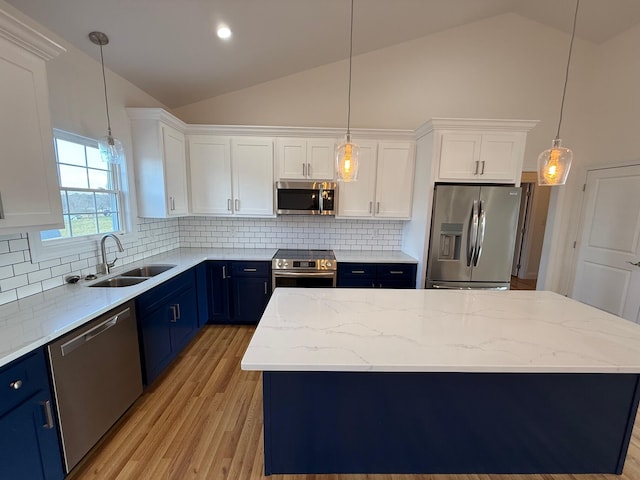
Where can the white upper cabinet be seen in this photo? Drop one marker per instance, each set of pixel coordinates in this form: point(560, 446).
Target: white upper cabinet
point(469, 150)
point(394, 187)
point(253, 182)
point(159, 156)
point(210, 173)
point(305, 158)
point(29, 188)
point(384, 188)
point(231, 176)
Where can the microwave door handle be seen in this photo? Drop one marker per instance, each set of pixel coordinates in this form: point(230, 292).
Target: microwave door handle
point(320, 193)
point(472, 233)
point(481, 226)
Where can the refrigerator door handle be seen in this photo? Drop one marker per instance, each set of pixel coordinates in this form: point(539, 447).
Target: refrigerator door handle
point(480, 239)
point(472, 233)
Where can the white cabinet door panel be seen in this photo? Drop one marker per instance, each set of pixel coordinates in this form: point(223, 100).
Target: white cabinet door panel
point(29, 190)
point(320, 159)
point(292, 158)
point(356, 199)
point(499, 156)
point(210, 169)
point(394, 180)
point(253, 185)
point(176, 171)
point(459, 155)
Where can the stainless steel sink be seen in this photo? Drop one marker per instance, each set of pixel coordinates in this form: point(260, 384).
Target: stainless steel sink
point(147, 271)
point(119, 281)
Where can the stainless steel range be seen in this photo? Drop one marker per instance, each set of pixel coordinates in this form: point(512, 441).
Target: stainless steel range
point(303, 268)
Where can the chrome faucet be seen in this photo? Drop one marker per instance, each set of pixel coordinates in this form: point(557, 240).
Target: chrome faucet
point(106, 266)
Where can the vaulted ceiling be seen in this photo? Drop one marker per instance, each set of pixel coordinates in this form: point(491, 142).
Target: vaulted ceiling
point(169, 48)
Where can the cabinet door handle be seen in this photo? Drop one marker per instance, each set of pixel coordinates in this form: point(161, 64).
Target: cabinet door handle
point(377, 207)
point(482, 171)
point(174, 316)
point(308, 169)
point(1, 209)
point(237, 204)
point(370, 207)
point(16, 385)
point(304, 169)
point(250, 269)
point(265, 288)
point(477, 166)
point(170, 203)
point(224, 272)
point(48, 415)
point(229, 204)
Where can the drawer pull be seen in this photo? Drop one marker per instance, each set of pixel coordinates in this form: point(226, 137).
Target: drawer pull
point(396, 272)
point(357, 271)
point(47, 415)
point(16, 385)
point(250, 269)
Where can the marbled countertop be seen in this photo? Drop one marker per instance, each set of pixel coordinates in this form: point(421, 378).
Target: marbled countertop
point(373, 256)
point(36, 320)
point(439, 331)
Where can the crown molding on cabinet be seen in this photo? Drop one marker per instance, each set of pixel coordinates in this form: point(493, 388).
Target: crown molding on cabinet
point(27, 38)
point(475, 123)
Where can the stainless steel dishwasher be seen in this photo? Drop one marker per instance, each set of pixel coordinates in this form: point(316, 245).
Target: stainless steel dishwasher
point(96, 377)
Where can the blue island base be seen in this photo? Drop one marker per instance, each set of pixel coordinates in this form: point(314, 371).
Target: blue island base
point(373, 422)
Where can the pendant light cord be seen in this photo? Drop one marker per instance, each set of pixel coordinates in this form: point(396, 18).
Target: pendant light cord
point(104, 82)
point(350, 56)
point(566, 75)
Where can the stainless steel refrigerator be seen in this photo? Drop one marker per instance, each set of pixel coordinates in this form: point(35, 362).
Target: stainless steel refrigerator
point(473, 234)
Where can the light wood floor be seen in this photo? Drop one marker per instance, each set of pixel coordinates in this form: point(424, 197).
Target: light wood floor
point(203, 420)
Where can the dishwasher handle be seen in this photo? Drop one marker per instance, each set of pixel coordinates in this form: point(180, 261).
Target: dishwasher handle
point(79, 340)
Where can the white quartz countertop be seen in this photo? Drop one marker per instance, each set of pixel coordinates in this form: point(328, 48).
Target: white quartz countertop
point(373, 256)
point(439, 331)
point(38, 319)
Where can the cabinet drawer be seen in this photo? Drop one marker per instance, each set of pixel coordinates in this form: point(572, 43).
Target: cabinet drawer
point(357, 270)
point(157, 295)
point(396, 271)
point(21, 379)
point(250, 269)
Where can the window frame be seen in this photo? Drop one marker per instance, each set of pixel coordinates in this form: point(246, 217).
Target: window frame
point(61, 247)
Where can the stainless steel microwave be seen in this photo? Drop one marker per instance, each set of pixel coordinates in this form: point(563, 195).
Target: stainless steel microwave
point(306, 198)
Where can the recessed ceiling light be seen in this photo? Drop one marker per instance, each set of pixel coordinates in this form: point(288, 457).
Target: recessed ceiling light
point(224, 32)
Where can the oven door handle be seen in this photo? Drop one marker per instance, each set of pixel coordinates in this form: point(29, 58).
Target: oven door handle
point(304, 274)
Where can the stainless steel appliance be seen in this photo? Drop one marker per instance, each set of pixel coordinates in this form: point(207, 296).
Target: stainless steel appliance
point(473, 233)
point(306, 198)
point(303, 268)
point(96, 377)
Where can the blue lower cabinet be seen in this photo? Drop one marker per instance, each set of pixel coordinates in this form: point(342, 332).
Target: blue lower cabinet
point(167, 320)
point(238, 291)
point(29, 447)
point(376, 275)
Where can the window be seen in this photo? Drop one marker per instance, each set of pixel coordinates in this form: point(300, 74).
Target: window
point(89, 189)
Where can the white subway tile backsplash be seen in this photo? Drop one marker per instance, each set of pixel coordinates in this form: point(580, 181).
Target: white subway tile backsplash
point(19, 277)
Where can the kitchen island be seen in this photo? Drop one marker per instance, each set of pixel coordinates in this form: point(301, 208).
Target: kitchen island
point(427, 381)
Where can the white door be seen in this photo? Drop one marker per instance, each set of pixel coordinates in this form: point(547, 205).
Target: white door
point(210, 168)
point(394, 185)
point(607, 271)
point(252, 160)
point(356, 199)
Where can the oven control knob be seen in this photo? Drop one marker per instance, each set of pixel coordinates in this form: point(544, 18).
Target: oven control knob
point(328, 264)
point(285, 264)
point(278, 263)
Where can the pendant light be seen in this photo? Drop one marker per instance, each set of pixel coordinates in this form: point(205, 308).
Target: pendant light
point(110, 148)
point(347, 152)
point(554, 163)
